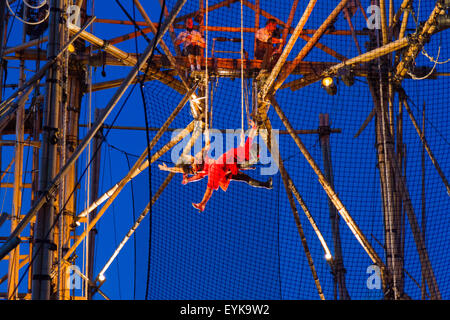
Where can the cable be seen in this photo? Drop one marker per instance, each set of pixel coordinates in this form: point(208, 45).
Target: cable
point(43, 3)
point(134, 236)
point(114, 227)
point(148, 146)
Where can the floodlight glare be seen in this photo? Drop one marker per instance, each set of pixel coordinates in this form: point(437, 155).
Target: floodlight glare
point(329, 86)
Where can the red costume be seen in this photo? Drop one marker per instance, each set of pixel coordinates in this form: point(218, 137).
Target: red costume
point(221, 170)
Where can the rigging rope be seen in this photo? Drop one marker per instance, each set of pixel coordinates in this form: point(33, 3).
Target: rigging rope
point(206, 77)
point(43, 3)
point(242, 72)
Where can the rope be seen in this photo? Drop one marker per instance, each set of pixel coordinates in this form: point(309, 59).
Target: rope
point(43, 3)
point(27, 22)
point(432, 70)
point(206, 76)
point(242, 72)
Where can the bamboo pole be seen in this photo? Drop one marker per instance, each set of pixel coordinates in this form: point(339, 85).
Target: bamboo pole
point(43, 231)
point(257, 16)
point(94, 221)
point(12, 242)
point(309, 46)
point(426, 145)
point(384, 25)
point(41, 72)
point(403, 8)
point(13, 266)
point(141, 164)
point(423, 286)
point(417, 233)
point(278, 66)
point(194, 108)
point(352, 29)
point(303, 34)
point(7, 169)
point(288, 185)
point(289, 21)
point(146, 210)
point(331, 194)
point(417, 44)
point(25, 45)
point(365, 57)
point(338, 262)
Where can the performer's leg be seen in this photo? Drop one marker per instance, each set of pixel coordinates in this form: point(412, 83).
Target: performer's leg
point(253, 182)
point(201, 206)
point(267, 56)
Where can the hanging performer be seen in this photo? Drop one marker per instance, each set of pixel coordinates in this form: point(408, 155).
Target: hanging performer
point(193, 43)
point(228, 167)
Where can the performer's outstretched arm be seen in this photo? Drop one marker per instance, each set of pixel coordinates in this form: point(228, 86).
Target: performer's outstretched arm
point(198, 176)
point(164, 167)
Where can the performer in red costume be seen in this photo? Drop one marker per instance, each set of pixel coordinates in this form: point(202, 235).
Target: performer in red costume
point(221, 171)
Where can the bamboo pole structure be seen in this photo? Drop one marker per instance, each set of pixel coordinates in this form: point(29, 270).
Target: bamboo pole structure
point(365, 57)
point(125, 57)
point(121, 185)
point(288, 185)
point(423, 289)
point(95, 182)
point(3, 27)
point(194, 108)
point(13, 267)
point(257, 16)
point(403, 9)
point(43, 232)
point(7, 169)
point(302, 34)
point(352, 29)
point(289, 21)
point(309, 46)
point(338, 262)
point(278, 66)
point(141, 163)
point(25, 45)
point(417, 233)
point(426, 145)
point(41, 72)
point(146, 210)
point(417, 44)
point(331, 194)
point(384, 24)
point(52, 187)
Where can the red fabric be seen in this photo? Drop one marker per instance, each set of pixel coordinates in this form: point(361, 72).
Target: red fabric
point(221, 170)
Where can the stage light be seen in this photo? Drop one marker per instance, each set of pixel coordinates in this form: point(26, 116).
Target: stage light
point(328, 256)
point(101, 277)
point(329, 86)
point(347, 77)
point(71, 48)
point(443, 21)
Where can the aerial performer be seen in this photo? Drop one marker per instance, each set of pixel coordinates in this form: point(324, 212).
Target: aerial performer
point(228, 167)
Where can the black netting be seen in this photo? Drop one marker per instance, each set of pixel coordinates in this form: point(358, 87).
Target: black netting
point(246, 244)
